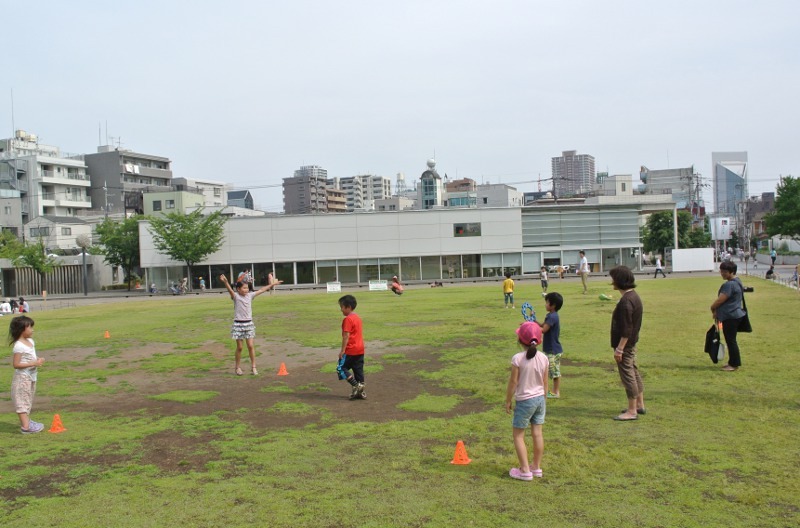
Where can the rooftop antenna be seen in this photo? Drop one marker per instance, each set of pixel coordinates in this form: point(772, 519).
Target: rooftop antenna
point(13, 126)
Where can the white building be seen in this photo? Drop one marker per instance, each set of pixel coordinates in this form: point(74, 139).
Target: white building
point(49, 182)
point(214, 193)
point(362, 191)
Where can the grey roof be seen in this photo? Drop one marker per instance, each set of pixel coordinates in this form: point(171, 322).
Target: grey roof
point(63, 219)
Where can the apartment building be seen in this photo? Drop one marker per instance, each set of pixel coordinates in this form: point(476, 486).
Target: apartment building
point(305, 192)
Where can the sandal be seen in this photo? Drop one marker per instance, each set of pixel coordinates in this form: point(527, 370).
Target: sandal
point(239, 371)
point(254, 372)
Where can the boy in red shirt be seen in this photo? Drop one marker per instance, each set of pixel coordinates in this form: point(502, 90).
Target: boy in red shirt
point(352, 347)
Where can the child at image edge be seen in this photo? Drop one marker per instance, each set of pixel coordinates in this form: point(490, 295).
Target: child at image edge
point(508, 290)
point(352, 347)
point(23, 385)
point(543, 278)
point(243, 328)
point(551, 328)
point(527, 385)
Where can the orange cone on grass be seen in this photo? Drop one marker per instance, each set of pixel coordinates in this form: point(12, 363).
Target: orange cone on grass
point(460, 457)
point(57, 427)
point(107, 335)
point(282, 371)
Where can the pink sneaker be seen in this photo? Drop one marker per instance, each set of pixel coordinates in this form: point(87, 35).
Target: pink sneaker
point(516, 473)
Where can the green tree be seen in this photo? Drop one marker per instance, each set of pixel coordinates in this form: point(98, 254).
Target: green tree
point(659, 231)
point(785, 219)
point(10, 245)
point(188, 238)
point(120, 241)
point(33, 256)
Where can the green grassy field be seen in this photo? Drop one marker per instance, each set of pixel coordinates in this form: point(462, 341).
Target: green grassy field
point(715, 448)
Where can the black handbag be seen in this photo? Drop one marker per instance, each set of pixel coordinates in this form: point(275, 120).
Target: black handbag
point(714, 346)
point(744, 325)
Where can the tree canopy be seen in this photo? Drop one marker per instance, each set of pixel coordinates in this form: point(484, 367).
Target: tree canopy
point(33, 255)
point(659, 232)
point(785, 220)
point(188, 238)
point(120, 241)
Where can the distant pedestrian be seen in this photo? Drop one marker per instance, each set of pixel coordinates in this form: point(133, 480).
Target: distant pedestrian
point(508, 290)
point(659, 268)
point(543, 279)
point(773, 255)
point(202, 284)
point(583, 269)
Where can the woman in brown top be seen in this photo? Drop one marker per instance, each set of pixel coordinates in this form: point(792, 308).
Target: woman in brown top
point(625, 325)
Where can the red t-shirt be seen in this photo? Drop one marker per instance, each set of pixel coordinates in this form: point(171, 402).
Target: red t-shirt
point(355, 344)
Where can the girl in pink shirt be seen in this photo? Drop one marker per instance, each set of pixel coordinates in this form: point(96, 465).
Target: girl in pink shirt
point(527, 385)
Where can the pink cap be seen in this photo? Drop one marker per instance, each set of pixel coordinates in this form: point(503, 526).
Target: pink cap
point(529, 333)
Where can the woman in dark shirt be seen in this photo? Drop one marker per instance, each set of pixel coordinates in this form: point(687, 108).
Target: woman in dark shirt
point(625, 325)
point(727, 309)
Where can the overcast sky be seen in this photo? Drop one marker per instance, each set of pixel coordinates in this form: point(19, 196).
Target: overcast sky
point(246, 92)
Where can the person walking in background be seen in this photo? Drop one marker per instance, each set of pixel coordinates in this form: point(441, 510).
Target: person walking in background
point(659, 268)
point(243, 329)
point(543, 278)
point(727, 309)
point(551, 330)
point(773, 255)
point(583, 269)
point(626, 322)
point(352, 347)
point(202, 284)
point(527, 386)
point(508, 290)
point(26, 364)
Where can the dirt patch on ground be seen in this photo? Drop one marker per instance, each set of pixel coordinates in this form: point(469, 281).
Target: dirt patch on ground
point(265, 401)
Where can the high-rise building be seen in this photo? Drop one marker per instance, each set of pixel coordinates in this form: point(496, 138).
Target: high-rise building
point(679, 183)
point(47, 182)
point(361, 191)
point(573, 173)
point(305, 192)
point(729, 174)
point(120, 177)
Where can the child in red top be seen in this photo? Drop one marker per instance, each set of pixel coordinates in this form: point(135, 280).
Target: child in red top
point(352, 347)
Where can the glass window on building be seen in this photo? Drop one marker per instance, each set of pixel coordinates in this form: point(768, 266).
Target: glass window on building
point(326, 271)
point(156, 205)
point(348, 270)
point(467, 230)
point(285, 271)
point(451, 266)
point(431, 268)
point(66, 230)
point(471, 266)
point(261, 271)
point(389, 267)
point(410, 268)
point(493, 265)
point(531, 262)
point(213, 276)
point(305, 272)
point(512, 263)
point(368, 269)
point(197, 272)
point(169, 204)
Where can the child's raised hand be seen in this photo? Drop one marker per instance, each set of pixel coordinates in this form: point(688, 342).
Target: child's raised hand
point(223, 278)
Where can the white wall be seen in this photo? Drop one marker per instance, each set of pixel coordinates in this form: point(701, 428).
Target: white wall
point(356, 235)
point(695, 259)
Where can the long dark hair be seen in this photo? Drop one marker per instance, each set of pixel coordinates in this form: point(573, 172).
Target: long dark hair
point(17, 326)
point(531, 350)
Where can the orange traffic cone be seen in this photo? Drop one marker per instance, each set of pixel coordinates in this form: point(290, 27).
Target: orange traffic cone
point(57, 427)
point(282, 371)
point(460, 457)
point(107, 335)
